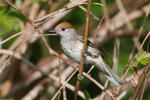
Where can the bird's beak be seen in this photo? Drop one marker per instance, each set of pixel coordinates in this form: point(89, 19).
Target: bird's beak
point(52, 31)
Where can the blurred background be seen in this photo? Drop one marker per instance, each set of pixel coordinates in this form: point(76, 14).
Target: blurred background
point(117, 28)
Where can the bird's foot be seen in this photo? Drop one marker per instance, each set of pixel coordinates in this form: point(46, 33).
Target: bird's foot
point(80, 77)
point(83, 54)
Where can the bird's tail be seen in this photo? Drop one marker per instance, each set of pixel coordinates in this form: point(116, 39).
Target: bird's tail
point(108, 73)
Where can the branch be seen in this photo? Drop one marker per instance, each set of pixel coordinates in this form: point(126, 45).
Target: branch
point(18, 56)
point(117, 22)
point(138, 89)
point(83, 51)
point(70, 6)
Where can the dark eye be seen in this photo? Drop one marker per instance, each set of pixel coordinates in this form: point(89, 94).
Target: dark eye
point(63, 29)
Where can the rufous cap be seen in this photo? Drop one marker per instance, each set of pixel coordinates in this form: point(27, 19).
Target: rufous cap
point(64, 25)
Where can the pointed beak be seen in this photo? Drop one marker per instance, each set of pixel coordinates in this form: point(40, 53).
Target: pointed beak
point(52, 31)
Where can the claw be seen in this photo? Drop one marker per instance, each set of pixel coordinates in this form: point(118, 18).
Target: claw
point(83, 54)
point(80, 77)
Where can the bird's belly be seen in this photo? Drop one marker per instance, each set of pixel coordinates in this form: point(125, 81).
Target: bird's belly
point(75, 55)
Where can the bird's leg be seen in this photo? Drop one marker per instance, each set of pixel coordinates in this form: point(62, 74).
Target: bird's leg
point(80, 77)
point(83, 53)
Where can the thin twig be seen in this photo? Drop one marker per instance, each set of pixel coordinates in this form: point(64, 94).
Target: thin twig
point(90, 69)
point(108, 25)
point(18, 56)
point(29, 20)
point(67, 7)
point(138, 37)
point(83, 51)
point(142, 78)
point(64, 84)
point(145, 39)
point(143, 89)
point(99, 85)
point(13, 36)
point(28, 29)
point(118, 22)
point(94, 16)
point(123, 88)
point(59, 71)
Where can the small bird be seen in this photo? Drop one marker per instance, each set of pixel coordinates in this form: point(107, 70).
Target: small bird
point(72, 44)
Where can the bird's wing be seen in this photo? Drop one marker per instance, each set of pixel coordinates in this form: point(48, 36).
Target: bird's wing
point(89, 43)
point(91, 49)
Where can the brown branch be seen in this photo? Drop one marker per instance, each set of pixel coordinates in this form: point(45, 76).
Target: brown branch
point(67, 7)
point(124, 89)
point(136, 39)
point(31, 95)
point(145, 39)
point(118, 22)
point(123, 33)
point(20, 11)
point(83, 51)
point(18, 56)
point(137, 92)
point(34, 26)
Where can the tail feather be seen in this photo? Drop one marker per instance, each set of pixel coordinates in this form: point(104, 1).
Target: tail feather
point(108, 73)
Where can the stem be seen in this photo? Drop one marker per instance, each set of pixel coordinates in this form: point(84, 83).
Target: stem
point(83, 51)
point(137, 92)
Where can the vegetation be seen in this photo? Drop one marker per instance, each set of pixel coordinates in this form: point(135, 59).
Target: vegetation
point(31, 69)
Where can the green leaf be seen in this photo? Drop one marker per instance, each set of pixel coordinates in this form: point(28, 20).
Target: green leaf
point(130, 66)
point(8, 24)
point(144, 61)
point(135, 63)
point(141, 58)
point(142, 55)
point(87, 95)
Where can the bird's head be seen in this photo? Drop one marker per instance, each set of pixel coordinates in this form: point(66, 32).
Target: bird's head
point(65, 30)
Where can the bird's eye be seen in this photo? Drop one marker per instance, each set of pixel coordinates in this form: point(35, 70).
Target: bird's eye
point(63, 29)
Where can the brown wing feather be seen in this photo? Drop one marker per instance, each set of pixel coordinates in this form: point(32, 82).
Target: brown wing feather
point(92, 54)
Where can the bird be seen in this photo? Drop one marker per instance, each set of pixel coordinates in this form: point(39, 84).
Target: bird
point(72, 45)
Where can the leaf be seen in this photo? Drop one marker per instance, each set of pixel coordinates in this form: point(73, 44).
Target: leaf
point(144, 61)
point(141, 58)
point(135, 64)
point(142, 55)
point(87, 95)
point(8, 24)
